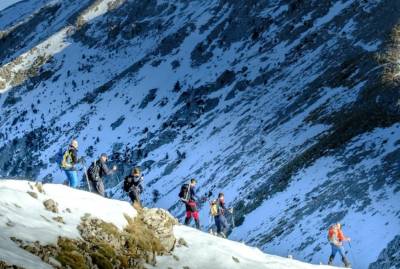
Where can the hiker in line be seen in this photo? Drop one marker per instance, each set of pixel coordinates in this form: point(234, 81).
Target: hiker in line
point(189, 197)
point(133, 186)
point(218, 211)
point(97, 170)
point(336, 239)
point(69, 162)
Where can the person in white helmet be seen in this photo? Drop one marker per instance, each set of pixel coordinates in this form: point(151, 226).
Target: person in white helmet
point(69, 162)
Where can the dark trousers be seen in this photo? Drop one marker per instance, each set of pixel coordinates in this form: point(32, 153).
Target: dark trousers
point(97, 187)
point(338, 249)
point(134, 195)
point(221, 223)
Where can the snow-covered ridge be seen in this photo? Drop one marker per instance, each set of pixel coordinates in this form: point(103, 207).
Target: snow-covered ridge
point(24, 217)
point(98, 8)
point(207, 251)
point(28, 64)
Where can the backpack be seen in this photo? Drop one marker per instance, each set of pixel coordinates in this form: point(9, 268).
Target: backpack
point(66, 159)
point(331, 235)
point(127, 185)
point(94, 171)
point(214, 208)
point(185, 192)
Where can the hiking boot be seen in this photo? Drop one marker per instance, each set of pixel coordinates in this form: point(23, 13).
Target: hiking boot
point(221, 234)
point(330, 260)
point(346, 263)
point(187, 221)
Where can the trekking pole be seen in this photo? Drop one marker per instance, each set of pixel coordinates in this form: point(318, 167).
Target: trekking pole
point(87, 179)
point(119, 180)
point(233, 219)
point(86, 175)
point(351, 253)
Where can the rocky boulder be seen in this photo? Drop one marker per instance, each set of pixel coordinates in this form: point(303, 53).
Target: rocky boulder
point(51, 205)
point(162, 223)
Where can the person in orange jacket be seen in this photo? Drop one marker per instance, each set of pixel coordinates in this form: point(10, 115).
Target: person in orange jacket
point(336, 239)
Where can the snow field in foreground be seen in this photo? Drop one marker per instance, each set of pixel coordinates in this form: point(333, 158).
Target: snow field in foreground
point(207, 251)
point(24, 217)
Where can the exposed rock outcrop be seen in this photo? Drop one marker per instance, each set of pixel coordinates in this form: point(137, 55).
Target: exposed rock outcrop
point(103, 245)
point(51, 205)
point(162, 223)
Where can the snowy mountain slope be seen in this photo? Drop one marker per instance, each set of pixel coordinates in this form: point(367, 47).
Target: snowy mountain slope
point(7, 3)
point(289, 107)
point(18, 203)
point(207, 251)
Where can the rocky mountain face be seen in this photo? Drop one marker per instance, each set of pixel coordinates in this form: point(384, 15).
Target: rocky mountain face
point(290, 107)
point(389, 258)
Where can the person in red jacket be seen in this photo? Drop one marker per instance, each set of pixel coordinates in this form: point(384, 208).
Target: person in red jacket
point(336, 239)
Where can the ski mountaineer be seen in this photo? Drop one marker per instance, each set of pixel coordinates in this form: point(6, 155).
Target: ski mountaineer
point(218, 211)
point(133, 186)
point(97, 170)
point(336, 239)
point(69, 162)
point(189, 198)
